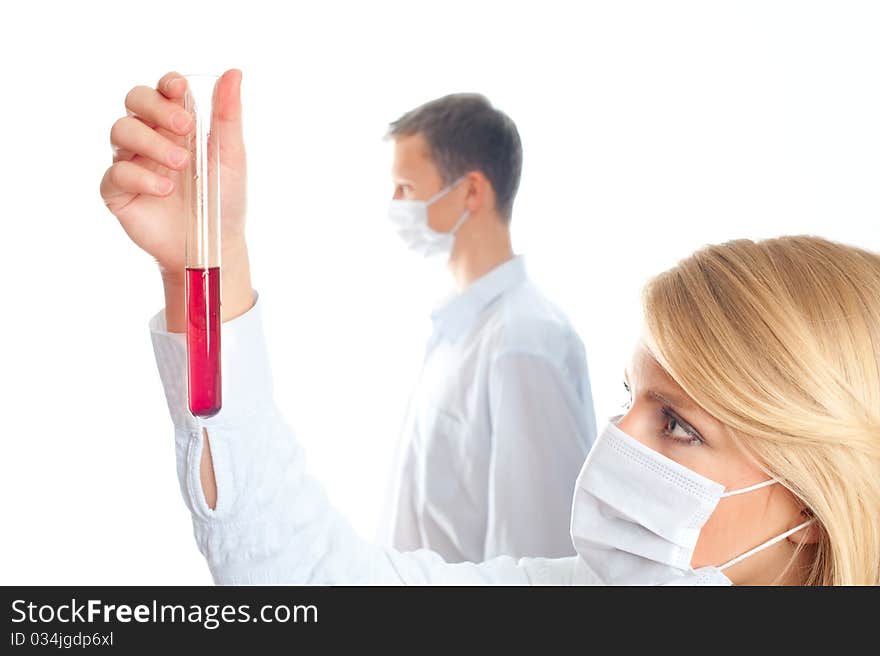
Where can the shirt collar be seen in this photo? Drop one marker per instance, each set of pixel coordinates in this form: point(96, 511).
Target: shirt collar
point(452, 317)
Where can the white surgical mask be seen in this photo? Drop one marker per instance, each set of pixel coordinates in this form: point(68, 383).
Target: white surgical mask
point(637, 515)
point(410, 218)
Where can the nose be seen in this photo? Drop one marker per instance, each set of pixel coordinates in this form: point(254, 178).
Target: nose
point(624, 422)
point(633, 423)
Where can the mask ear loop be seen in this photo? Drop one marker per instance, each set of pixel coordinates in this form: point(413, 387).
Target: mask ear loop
point(768, 543)
point(464, 217)
point(756, 486)
point(440, 194)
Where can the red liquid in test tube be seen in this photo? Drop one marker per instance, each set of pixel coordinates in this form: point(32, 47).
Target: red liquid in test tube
point(203, 340)
point(202, 221)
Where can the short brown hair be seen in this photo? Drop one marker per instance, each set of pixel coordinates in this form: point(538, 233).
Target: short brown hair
point(465, 133)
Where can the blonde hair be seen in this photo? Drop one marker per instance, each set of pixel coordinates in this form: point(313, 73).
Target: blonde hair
point(780, 341)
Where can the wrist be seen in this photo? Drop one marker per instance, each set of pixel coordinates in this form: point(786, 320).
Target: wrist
point(175, 302)
point(236, 292)
point(234, 250)
point(235, 278)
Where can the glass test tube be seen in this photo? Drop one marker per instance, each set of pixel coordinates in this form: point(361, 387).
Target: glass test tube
point(203, 250)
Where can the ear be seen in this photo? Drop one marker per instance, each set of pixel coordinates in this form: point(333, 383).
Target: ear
point(808, 534)
point(480, 195)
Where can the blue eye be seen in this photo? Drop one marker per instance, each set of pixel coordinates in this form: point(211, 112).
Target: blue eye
point(676, 429)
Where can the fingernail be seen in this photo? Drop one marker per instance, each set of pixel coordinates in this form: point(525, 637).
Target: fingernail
point(164, 186)
point(169, 85)
point(181, 121)
point(177, 156)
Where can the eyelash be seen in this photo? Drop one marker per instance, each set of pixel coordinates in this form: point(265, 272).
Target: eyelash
point(668, 414)
point(694, 440)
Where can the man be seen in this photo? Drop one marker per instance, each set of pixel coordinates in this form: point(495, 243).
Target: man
point(502, 417)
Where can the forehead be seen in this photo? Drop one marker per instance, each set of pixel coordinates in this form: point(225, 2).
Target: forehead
point(644, 367)
point(412, 154)
point(645, 373)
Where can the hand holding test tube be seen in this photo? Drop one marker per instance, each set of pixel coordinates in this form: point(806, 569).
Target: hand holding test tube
point(146, 189)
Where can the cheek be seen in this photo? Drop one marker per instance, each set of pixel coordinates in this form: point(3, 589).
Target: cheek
point(741, 523)
point(432, 220)
point(436, 219)
point(727, 533)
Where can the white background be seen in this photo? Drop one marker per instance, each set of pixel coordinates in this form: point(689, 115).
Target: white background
point(649, 129)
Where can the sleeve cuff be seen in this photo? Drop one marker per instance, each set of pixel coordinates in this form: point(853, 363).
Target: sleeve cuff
point(245, 372)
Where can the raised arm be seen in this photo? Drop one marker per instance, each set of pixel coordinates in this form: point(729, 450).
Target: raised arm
point(258, 516)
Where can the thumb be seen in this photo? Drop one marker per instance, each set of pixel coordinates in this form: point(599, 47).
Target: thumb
point(227, 113)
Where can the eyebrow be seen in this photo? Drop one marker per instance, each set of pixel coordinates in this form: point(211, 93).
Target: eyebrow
point(675, 401)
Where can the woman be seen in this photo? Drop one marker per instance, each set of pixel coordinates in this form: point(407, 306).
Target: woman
point(750, 453)
point(770, 353)
point(754, 423)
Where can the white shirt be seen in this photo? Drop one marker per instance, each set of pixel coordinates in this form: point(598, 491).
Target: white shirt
point(272, 523)
point(497, 428)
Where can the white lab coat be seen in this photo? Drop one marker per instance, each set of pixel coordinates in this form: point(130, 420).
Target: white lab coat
point(272, 522)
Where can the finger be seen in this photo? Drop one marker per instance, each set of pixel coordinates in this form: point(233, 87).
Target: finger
point(145, 121)
point(156, 109)
point(130, 134)
point(173, 86)
point(122, 155)
point(123, 180)
point(228, 111)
